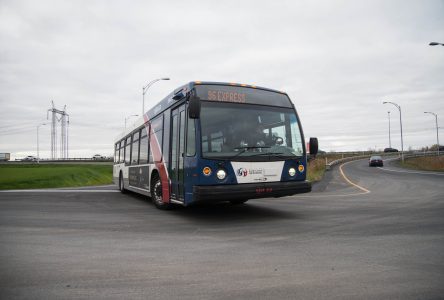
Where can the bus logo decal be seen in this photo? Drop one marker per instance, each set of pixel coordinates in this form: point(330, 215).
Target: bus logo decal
point(242, 172)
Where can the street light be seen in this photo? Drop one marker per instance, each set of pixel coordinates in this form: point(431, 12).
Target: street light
point(390, 140)
point(435, 44)
point(38, 151)
point(400, 123)
point(126, 119)
point(146, 87)
point(436, 122)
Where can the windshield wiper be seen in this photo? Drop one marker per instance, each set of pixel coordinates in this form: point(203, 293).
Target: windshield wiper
point(245, 149)
point(267, 153)
point(251, 147)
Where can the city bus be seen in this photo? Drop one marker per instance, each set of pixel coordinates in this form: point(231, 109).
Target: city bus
point(210, 141)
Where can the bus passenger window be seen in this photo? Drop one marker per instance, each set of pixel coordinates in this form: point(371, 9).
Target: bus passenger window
point(116, 153)
point(143, 147)
point(121, 151)
point(135, 149)
point(128, 150)
point(156, 139)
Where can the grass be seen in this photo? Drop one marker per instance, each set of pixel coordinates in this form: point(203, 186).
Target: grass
point(316, 169)
point(34, 176)
point(426, 163)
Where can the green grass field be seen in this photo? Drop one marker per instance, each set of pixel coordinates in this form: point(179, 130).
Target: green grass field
point(35, 176)
point(427, 163)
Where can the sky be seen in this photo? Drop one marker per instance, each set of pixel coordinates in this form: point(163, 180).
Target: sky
point(337, 60)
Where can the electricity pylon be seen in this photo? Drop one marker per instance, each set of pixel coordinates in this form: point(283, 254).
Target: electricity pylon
point(64, 120)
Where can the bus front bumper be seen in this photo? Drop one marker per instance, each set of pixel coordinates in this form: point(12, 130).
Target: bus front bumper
point(249, 190)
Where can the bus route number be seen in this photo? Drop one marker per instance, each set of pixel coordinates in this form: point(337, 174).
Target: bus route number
point(224, 96)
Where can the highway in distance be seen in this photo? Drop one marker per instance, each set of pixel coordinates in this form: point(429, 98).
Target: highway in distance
point(363, 233)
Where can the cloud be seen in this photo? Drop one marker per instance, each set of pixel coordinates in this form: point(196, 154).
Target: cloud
point(337, 60)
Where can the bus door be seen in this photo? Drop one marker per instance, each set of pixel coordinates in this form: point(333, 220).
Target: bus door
point(177, 145)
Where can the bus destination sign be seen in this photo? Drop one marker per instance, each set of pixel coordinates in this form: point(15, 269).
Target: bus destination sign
point(226, 96)
point(241, 95)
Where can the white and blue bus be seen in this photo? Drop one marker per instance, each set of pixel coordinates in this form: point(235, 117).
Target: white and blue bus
point(210, 141)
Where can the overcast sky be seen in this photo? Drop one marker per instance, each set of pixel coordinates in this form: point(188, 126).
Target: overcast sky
point(337, 60)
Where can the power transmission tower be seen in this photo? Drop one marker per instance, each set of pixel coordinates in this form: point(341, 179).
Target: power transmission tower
point(64, 120)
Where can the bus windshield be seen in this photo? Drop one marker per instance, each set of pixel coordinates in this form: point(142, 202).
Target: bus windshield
point(246, 132)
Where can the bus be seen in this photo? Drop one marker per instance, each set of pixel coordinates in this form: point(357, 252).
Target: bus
point(211, 141)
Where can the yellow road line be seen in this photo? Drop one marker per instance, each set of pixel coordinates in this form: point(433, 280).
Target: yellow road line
point(349, 181)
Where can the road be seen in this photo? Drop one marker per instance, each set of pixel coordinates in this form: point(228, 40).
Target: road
point(373, 234)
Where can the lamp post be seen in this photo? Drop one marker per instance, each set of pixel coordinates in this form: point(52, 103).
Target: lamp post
point(146, 87)
point(390, 139)
point(437, 132)
point(435, 44)
point(400, 123)
point(126, 119)
point(38, 150)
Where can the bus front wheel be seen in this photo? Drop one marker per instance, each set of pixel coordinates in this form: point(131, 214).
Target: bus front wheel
point(156, 194)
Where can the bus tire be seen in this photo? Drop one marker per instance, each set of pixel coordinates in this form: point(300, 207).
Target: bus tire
point(121, 184)
point(238, 202)
point(156, 193)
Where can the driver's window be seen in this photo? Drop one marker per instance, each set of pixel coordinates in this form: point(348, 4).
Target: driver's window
point(279, 132)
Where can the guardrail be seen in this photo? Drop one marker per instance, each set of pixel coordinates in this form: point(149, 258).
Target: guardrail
point(342, 160)
point(389, 154)
point(74, 159)
point(77, 159)
point(423, 153)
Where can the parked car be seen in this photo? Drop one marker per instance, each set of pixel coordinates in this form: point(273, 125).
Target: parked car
point(390, 150)
point(375, 161)
point(98, 157)
point(30, 158)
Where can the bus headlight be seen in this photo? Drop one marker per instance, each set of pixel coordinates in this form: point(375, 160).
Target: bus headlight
point(292, 172)
point(206, 171)
point(221, 174)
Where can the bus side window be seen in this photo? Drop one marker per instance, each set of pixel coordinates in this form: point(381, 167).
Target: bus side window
point(120, 160)
point(156, 139)
point(128, 150)
point(143, 157)
point(116, 152)
point(135, 148)
point(191, 138)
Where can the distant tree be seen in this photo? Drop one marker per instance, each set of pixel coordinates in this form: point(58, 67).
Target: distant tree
point(434, 147)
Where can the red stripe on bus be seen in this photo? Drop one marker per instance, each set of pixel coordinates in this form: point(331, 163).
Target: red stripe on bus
point(160, 163)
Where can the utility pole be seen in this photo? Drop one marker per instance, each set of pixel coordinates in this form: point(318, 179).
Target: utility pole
point(38, 150)
point(390, 139)
point(437, 127)
point(145, 89)
point(400, 124)
point(64, 119)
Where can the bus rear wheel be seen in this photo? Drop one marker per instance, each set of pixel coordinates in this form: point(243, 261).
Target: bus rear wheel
point(156, 194)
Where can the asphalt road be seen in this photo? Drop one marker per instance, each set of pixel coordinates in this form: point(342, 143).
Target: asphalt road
point(376, 234)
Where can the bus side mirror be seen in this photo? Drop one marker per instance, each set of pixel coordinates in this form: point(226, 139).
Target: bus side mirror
point(313, 146)
point(194, 107)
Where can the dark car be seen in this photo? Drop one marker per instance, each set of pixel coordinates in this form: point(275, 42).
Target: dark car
point(390, 150)
point(375, 161)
